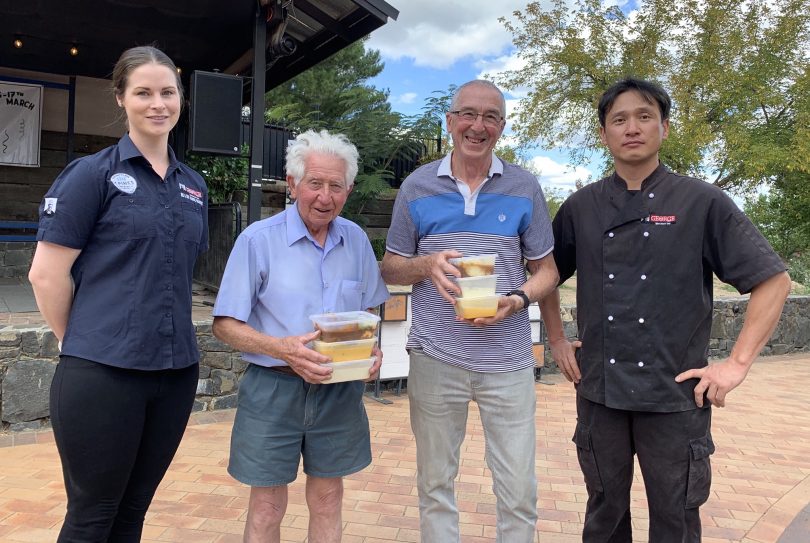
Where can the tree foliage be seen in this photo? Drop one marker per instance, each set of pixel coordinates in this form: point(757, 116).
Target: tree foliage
point(223, 175)
point(335, 95)
point(554, 199)
point(737, 72)
point(783, 216)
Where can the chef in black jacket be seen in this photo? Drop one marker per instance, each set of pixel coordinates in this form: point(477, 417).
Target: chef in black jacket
point(645, 242)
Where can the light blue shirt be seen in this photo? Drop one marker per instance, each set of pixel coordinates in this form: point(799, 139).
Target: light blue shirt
point(277, 276)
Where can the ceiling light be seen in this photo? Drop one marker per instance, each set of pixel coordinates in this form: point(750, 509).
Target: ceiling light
point(74, 50)
point(18, 43)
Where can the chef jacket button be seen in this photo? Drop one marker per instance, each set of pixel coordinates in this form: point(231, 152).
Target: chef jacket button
point(643, 277)
point(612, 360)
point(168, 314)
point(641, 320)
point(610, 317)
point(610, 235)
point(651, 195)
point(646, 234)
point(610, 276)
point(641, 364)
point(166, 206)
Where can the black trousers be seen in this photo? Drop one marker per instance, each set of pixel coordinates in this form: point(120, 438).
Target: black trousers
point(116, 431)
point(673, 452)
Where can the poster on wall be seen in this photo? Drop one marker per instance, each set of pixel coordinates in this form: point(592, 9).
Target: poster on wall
point(20, 123)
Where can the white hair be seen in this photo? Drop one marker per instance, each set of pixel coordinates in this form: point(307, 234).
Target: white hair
point(322, 142)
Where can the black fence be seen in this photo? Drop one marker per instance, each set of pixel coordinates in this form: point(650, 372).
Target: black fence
point(275, 146)
point(276, 139)
point(409, 157)
point(224, 225)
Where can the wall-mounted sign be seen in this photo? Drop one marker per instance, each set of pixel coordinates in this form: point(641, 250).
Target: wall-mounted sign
point(20, 123)
point(396, 308)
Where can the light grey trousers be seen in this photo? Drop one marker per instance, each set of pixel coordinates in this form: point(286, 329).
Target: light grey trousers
point(439, 396)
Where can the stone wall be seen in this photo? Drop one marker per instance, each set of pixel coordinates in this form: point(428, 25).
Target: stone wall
point(792, 333)
point(28, 357)
point(15, 258)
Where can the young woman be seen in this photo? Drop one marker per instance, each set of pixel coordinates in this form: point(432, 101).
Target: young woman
point(119, 233)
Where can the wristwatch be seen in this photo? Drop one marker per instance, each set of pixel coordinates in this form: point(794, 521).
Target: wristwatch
point(518, 292)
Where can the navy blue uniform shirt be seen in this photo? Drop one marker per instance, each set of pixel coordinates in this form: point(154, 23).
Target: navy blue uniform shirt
point(139, 236)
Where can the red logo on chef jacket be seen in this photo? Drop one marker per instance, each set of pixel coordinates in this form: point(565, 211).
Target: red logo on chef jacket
point(660, 220)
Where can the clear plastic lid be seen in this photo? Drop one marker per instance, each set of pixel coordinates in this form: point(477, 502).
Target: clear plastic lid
point(475, 287)
point(346, 326)
point(474, 266)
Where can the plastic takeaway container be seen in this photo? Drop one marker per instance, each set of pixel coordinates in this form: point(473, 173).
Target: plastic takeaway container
point(472, 308)
point(475, 266)
point(346, 326)
point(350, 371)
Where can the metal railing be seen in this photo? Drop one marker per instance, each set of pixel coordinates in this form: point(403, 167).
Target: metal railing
point(224, 226)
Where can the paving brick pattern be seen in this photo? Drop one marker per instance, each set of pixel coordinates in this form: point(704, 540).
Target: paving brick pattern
point(761, 470)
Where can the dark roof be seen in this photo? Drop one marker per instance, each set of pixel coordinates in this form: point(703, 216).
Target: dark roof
point(203, 35)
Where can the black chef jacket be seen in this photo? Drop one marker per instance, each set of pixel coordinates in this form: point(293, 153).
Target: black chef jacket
point(644, 261)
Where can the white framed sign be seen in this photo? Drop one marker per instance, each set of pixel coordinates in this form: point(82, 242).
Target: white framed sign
point(20, 123)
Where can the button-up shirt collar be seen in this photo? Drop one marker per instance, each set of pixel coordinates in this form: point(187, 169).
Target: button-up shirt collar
point(128, 151)
point(297, 229)
point(470, 197)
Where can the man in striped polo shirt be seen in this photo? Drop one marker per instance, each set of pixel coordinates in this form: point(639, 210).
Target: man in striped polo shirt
point(472, 203)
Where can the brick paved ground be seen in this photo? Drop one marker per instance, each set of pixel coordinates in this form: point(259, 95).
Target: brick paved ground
point(761, 470)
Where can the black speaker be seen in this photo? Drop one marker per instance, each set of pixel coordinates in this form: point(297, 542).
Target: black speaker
point(215, 122)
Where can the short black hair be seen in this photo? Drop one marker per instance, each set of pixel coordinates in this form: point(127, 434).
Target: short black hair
point(653, 93)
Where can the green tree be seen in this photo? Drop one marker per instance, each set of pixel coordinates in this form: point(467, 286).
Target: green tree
point(222, 174)
point(737, 72)
point(335, 95)
point(554, 199)
point(783, 216)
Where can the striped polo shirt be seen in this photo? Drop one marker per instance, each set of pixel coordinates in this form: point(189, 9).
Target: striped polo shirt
point(507, 215)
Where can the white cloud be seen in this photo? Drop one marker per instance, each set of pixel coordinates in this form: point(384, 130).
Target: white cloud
point(437, 34)
point(557, 175)
point(490, 67)
point(405, 98)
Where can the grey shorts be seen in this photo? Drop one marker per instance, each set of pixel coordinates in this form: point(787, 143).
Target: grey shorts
point(280, 418)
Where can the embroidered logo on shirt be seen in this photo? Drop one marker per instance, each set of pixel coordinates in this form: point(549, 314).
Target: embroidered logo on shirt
point(50, 206)
point(190, 194)
point(501, 217)
point(124, 182)
point(657, 220)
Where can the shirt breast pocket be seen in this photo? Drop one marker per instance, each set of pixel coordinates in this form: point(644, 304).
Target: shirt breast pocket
point(127, 219)
point(351, 295)
point(192, 221)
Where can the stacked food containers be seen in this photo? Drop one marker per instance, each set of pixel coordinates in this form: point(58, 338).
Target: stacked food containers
point(348, 339)
point(477, 284)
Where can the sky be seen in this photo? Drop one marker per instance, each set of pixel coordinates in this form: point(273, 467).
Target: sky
point(434, 44)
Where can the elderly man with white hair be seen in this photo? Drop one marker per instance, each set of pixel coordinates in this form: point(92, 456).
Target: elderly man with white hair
point(303, 261)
